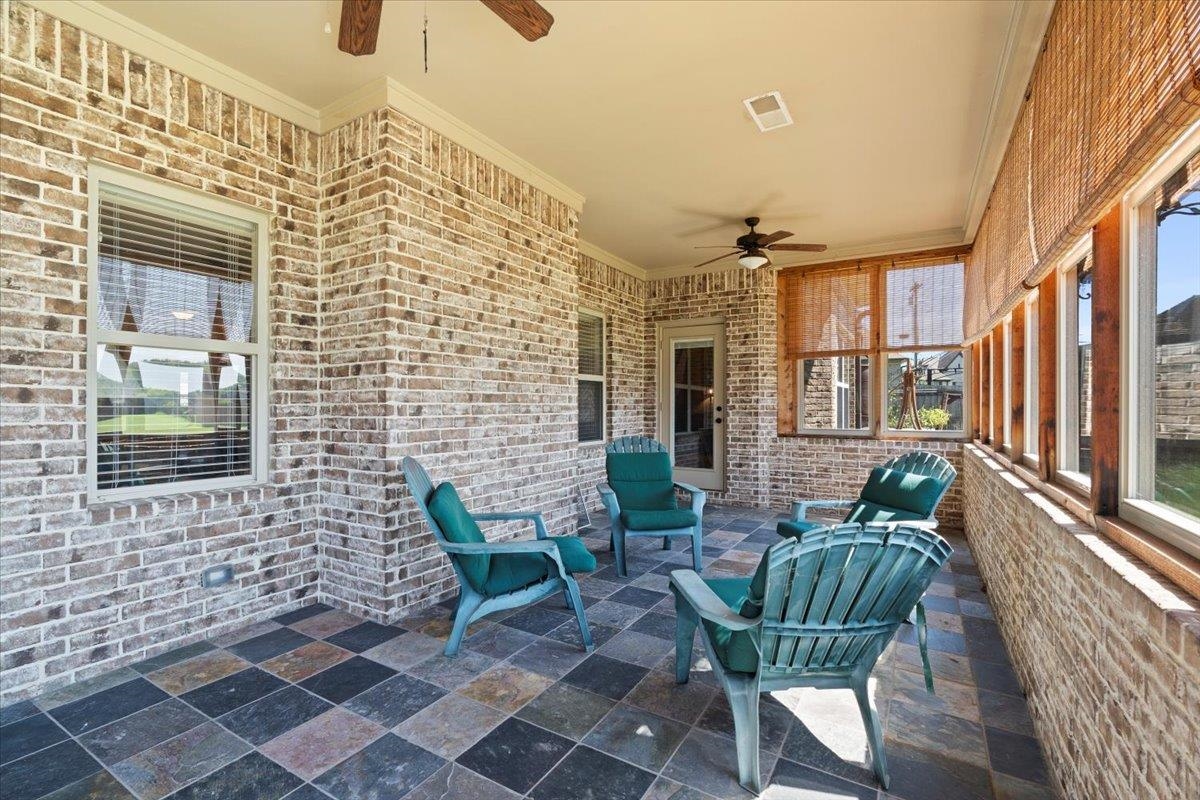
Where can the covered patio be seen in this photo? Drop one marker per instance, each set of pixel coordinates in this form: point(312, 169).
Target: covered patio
point(505, 400)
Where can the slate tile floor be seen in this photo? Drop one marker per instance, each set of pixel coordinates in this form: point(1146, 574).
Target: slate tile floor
point(316, 704)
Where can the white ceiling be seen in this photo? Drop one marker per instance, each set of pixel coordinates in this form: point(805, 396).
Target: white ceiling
point(637, 105)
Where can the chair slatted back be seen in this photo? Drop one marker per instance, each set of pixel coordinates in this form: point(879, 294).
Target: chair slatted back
point(834, 601)
point(922, 462)
point(635, 444)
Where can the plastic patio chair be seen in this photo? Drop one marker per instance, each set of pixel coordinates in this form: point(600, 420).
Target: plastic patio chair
point(495, 576)
point(818, 612)
point(905, 489)
point(640, 498)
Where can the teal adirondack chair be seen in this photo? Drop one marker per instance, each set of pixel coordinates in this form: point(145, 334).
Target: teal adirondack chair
point(640, 497)
point(495, 576)
point(904, 489)
point(817, 612)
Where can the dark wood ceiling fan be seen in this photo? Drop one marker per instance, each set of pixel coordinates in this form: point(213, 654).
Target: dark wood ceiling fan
point(751, 248)
point(359, 28)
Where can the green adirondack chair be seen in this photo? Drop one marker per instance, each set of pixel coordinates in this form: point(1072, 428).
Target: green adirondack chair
point(640, 498)
point(818, 612)
point(904, 489)
point(495, 576)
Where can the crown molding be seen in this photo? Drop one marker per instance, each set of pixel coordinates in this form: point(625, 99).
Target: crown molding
point(1026, 32)
point(102, 21)
point(928, 240)
point(603, 256)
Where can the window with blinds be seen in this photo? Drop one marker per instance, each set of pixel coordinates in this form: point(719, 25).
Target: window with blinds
point(591, 378)
point(875, 345)
point(176, 390)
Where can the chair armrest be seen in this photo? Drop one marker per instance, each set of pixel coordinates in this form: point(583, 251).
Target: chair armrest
point(699, 496)
point(609, 498)
point(688, 586)
point(800, 507)
point(539, 524)
point(547, 548)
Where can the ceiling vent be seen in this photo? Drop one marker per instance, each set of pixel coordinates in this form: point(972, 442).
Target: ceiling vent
point(768, 111)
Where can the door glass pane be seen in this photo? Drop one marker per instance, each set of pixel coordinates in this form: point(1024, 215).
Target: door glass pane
point(693, 418)
point(1176, 336)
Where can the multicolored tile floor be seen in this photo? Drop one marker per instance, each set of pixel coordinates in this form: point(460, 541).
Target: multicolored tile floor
point(317, 704)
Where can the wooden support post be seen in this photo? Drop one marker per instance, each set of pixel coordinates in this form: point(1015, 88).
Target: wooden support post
point(786, 390)
point(985, 390)
point(976, 394)
point(1106, 363)
point(1047, 345)
point(1016, 389)
point(999, 410)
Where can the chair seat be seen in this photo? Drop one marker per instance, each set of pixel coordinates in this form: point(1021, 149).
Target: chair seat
point(664, 520)
point(735, 649)
point(512, 571)
point(797, 527)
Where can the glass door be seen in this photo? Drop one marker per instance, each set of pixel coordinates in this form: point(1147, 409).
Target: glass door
point(692, 402)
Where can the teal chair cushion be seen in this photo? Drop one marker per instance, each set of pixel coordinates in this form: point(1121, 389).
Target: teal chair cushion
point(641, 481)
point(459, 527)
point(796, 528)
point(658, 520)
point(513, 571)
point(735, 649)
point(904, 494)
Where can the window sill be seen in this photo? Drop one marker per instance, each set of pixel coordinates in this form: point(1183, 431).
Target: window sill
point(1176, 565)
point(103, 510)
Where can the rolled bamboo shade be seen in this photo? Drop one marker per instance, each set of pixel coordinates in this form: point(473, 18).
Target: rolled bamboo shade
point(829, 311)
point(924, 306)
point(1115, 84)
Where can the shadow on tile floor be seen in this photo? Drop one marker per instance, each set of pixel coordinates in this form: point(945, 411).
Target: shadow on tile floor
point(317, 704)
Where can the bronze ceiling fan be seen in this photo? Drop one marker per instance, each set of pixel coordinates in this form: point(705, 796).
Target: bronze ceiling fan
point(753, 247)
point(359, 27)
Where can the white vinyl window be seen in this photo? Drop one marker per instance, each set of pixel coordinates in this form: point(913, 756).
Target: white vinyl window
point(1006, 408)
point(1161, 349)
point(592, 423)
point(834, 394)
point(1032, 414)
point(177, 344)
point(1075, 367)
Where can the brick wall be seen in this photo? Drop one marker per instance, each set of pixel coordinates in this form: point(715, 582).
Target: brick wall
point(89, 588)
point(1106, 649)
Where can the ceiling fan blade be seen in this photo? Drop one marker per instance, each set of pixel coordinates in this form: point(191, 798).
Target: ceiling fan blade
point(718, 258)
point(714, 247)
point(359, 28)
point(765, 239)
point(525, 17)
point(804, 248)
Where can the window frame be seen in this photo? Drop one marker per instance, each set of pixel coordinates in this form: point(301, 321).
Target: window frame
point(888, 432)
point(583, 311)
point(1174, 527)
point(1067, 397)
point(1030, 447)
point(257, 352)
point(1006, 393)
point(856, 433)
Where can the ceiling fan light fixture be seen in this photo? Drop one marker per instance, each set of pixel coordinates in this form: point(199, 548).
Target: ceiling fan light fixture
point(753, 259)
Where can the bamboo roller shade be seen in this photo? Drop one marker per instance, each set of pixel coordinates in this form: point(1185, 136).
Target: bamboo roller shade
point(901, 302)
point(1116, 83)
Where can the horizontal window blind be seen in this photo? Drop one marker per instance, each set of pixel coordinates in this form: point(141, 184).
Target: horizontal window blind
point(828, 311)
point(1115, 84)
point(924, 306)
point(591, 345)
point(165, 269)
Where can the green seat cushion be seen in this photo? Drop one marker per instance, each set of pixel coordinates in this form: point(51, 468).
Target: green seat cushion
point(735, 649)
point(796, 528)
point(641, 481)
point(459, 527)
point(513, 571)
point(658, 520)
point(914, 496)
